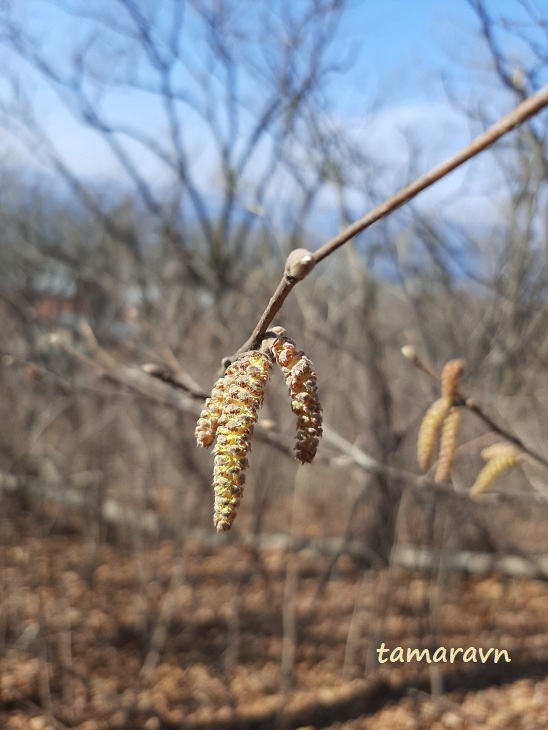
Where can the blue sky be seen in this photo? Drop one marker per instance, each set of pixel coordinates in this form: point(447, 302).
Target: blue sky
point(396, 39)
point(398, 51)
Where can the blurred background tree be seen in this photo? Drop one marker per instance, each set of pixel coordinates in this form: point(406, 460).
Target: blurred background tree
point(219, 138)
point(159, 161)
point(216, 120)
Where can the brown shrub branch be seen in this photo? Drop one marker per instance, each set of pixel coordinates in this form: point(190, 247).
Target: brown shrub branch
point(520, 114)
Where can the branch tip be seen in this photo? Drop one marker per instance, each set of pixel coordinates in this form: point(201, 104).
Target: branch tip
point(150, 368)
point(299, 264)
point(408, 352)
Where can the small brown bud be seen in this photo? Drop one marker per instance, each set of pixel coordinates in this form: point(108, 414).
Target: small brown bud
point(409, 353)
point(299, 264)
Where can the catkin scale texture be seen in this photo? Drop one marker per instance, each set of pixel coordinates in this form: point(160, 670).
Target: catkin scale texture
point(448, 444)
point(301, 380)
point(501, 448)
point(500, 457)
point(429, 429)
point(207, 425)
point(243, 385)
point(450, 376)
point(495, 466)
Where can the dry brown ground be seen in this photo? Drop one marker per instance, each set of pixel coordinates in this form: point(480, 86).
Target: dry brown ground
point(164, 635)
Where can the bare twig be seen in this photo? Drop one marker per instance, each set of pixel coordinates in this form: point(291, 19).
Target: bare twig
point(516, 117)
point(475, 408)
point(109, 369)
point(369, 464)
point(163, 373)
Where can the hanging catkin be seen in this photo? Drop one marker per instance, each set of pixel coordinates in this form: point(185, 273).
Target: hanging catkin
point(429, 429)
point(301, 380)
point(499, 457)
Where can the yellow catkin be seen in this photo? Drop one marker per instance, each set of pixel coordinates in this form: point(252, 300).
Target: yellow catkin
point(450, 376)
point(301, 380)
point(243, 387)
point(495, 466)
point(448, 444)
point(429, 428)
point(206, 428)
point(501, 448)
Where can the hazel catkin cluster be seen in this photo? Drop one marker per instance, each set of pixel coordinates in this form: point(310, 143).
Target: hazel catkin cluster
point(443, 419)
point(230, 414)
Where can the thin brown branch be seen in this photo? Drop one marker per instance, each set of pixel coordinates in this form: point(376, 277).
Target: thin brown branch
point(472, 406)
point(163, 373)
point(274, 305)
point(367, 463)
point(108, 368)
point(515, 118)
point(343, 451)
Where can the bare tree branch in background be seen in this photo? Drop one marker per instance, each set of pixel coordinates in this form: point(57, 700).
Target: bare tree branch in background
point(242, 120)
point(241, 88)
point(519, 115)
point(228, 154)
